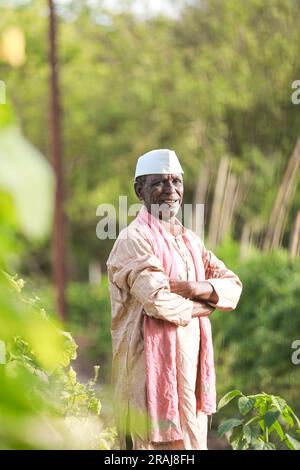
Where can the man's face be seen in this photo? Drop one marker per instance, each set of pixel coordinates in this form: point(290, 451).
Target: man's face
point(165, 191)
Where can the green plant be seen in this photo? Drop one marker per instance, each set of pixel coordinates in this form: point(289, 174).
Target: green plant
point(42, 404)
point(263, 422)
point(89, 319)
point(253, 344)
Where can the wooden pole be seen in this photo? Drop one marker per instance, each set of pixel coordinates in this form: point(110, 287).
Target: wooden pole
point(213, 234)
point(295, 238)
point(58, 246)
point(278, 216)
point(200, 197)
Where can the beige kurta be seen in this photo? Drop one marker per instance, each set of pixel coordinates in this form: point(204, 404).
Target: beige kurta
point(139, 286)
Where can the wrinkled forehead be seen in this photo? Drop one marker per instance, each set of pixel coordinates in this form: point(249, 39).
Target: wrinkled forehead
point(164, 176)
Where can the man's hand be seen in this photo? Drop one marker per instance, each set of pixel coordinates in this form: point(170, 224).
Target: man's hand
point(194, 290)
point(186, 289)
point(201, 309)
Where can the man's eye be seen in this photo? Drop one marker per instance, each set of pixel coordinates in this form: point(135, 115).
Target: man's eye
point(160, 183)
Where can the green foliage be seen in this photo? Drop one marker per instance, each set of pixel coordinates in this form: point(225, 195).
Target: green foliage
point(202, 84)
point(253, 344)
point(17, 152)
point(229, 252)
point(42, 404)
point(221, 93)
point(265, 420)
point(89, 318)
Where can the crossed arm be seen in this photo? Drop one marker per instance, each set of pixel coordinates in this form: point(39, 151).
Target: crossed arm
point(134, 267)
point(221, 288)
point(201, 291)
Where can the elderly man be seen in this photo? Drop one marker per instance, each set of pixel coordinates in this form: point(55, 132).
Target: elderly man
point(163, 286)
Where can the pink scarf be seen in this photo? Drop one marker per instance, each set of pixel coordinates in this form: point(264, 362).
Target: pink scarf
point(160, 346)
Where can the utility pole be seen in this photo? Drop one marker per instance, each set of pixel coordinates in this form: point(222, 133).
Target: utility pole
point(58, 245)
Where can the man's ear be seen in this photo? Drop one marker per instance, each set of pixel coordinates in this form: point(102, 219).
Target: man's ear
point(138, 190)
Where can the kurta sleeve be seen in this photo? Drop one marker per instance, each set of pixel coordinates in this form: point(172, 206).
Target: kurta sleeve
point(226, 284)
point(201, 309)
point(135, 268)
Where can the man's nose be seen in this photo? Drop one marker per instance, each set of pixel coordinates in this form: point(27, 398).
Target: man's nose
point(169, 187)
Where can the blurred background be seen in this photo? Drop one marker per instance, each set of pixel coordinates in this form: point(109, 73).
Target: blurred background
point(86, 87)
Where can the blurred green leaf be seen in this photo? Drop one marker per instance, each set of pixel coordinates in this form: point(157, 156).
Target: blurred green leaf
point(228, 425)
point(33, 193)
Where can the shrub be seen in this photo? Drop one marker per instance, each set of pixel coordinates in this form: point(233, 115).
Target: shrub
point(89, 320)
point(253, 344)
point(262, 423)
point(42, 404)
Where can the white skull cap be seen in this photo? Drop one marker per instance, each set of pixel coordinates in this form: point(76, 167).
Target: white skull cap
point(160, 161)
